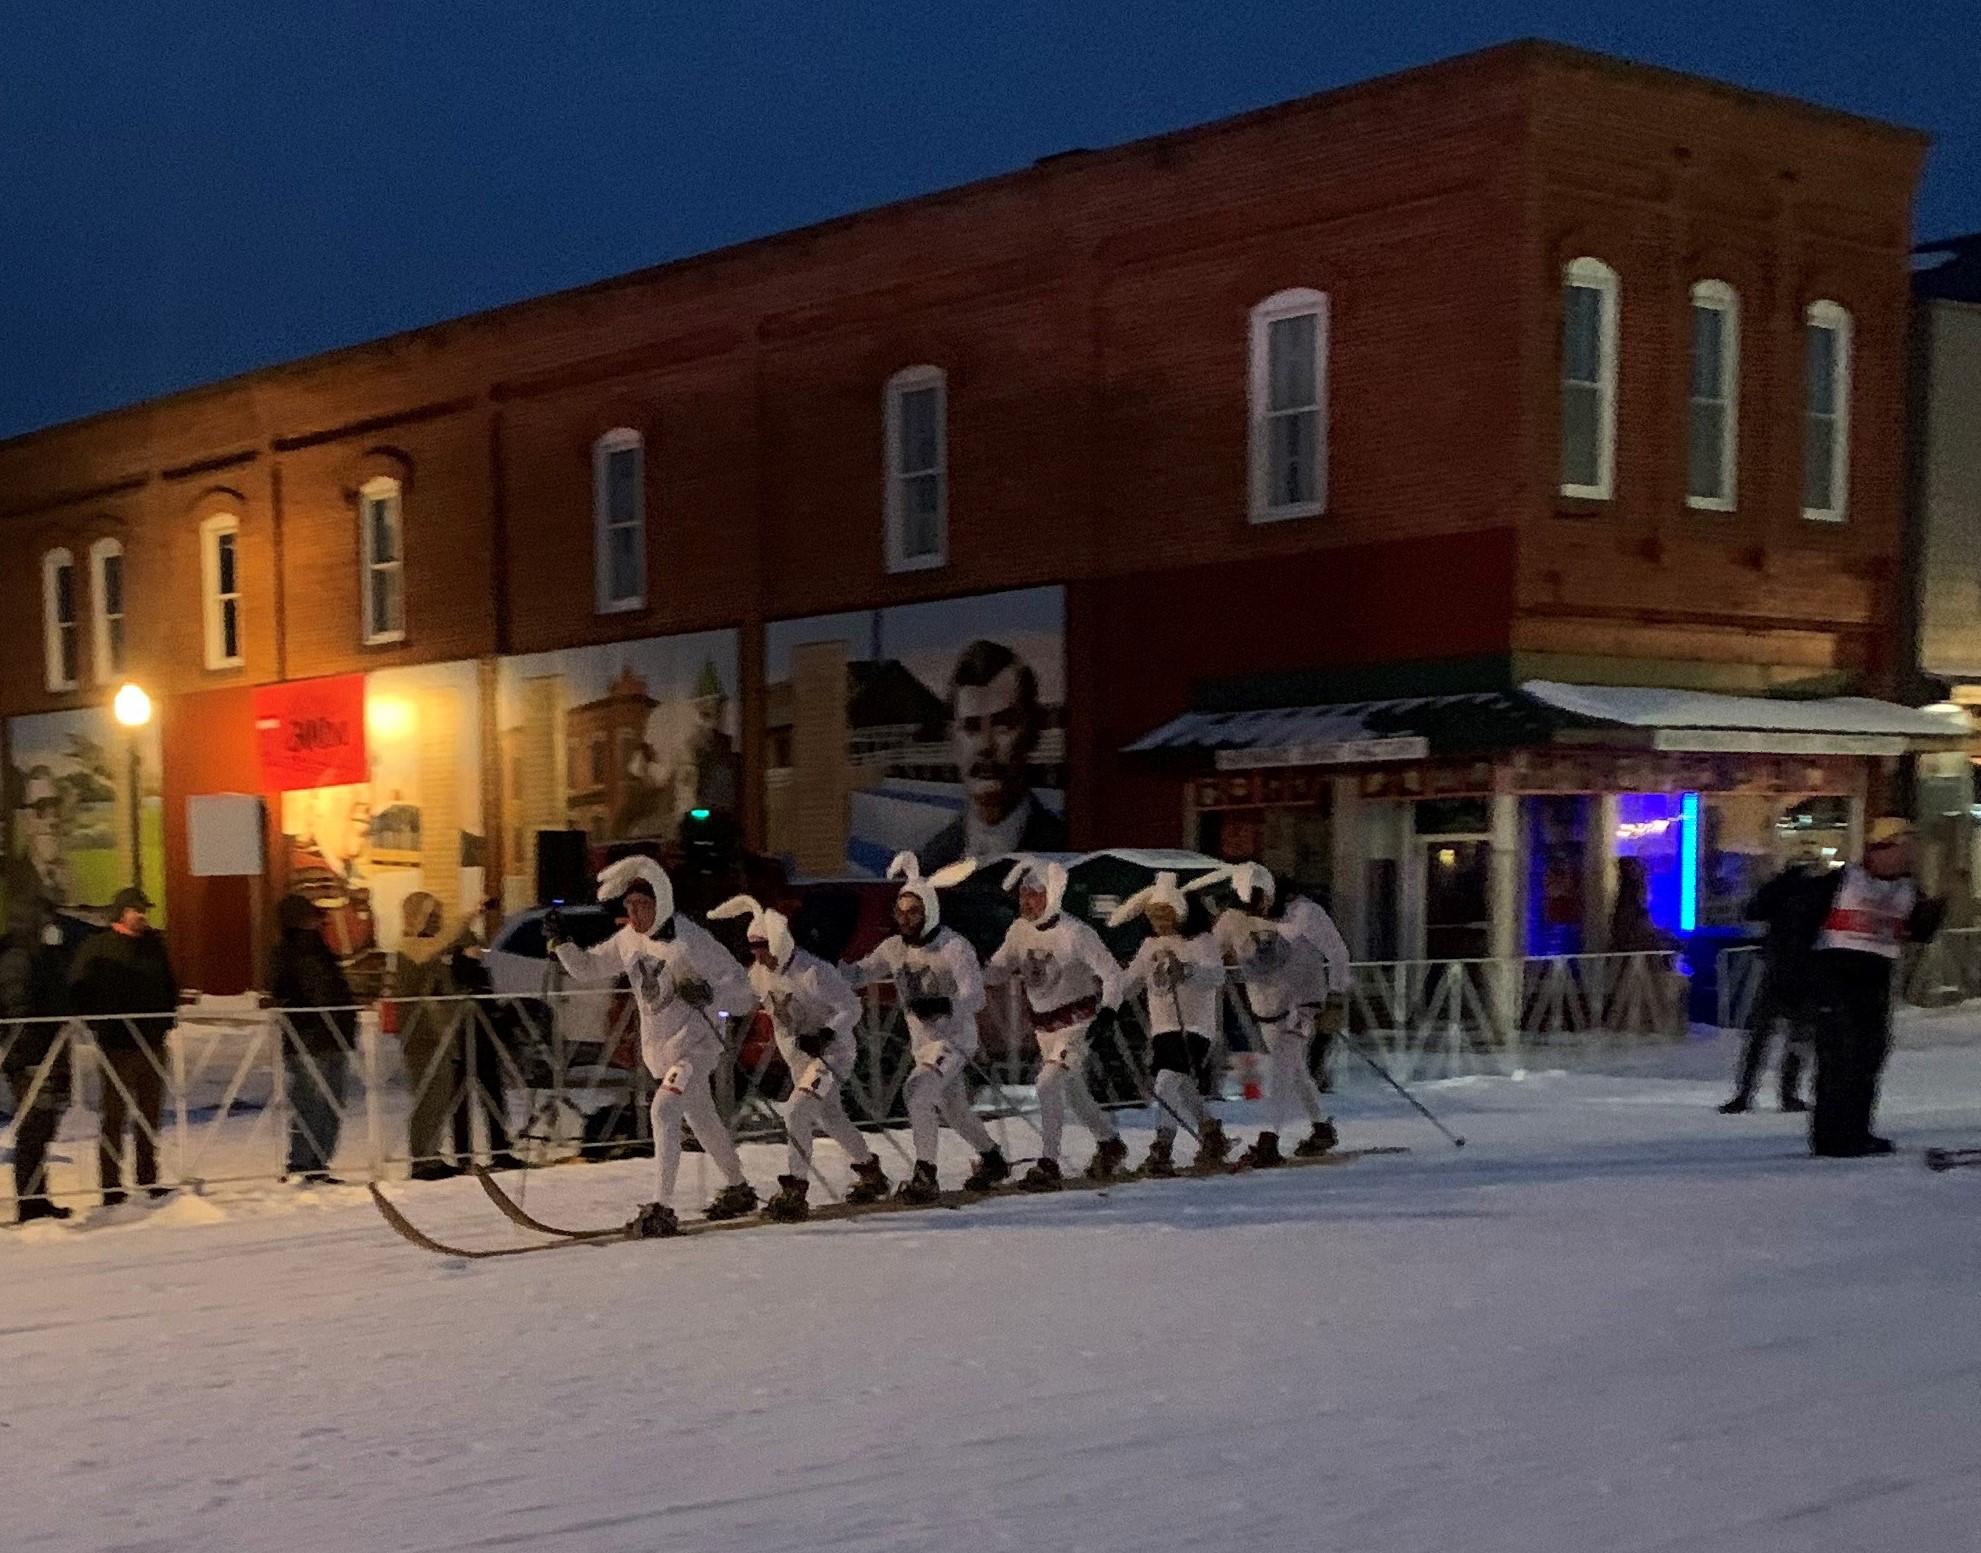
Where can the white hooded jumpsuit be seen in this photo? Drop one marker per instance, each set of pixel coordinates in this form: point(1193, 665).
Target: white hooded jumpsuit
point(679, 1044)
point(1284, 978)
point(1068, 977)
point(803, 997)
point(1182, 977)
point(941, 964)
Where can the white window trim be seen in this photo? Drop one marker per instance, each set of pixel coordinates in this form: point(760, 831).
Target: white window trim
point(1294, 303)
point(1833, 316)
point(906, 381)
point(1599, 277)
point(619, 440)
point(372, 490)
point(53, 561)
point(210, 596)
point(1724, 300)
point(100, 554)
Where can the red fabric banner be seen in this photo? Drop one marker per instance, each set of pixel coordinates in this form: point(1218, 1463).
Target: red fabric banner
point(311, 733)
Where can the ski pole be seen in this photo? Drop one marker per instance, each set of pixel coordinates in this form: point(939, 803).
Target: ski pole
point(1349, 1041)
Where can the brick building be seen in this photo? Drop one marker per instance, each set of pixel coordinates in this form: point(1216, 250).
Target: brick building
point(1422, 414)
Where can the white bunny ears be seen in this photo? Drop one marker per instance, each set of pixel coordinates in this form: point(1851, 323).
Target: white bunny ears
point(618, 877)
point(908, 870)
point(1162, 893)
point(1043, 875)
point(1247, 879)
point(768, 927)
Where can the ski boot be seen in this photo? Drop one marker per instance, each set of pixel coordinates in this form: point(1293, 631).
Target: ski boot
point(921, 1187)
point(990, 1170)
point(869, 1182)
point(1213, 1147)
point(1263, 1154)
point(1159, 1161)
point(654, 1221)
point(1791, 1103)
point(1735, 1107)
point(1318, 1142)
point(1042, 1177)
point(789, 1205)
point(732, 1202)
point(32, 1208)
point(1107, 1161)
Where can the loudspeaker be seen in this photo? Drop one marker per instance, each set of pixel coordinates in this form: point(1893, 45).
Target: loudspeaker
point(564, 870)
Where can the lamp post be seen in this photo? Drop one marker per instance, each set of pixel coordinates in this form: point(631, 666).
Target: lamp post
point(132, 708)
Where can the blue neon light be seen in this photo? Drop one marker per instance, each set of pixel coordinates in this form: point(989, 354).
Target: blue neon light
point(1688, 863)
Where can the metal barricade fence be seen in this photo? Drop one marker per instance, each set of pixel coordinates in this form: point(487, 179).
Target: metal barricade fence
point(253, 1095)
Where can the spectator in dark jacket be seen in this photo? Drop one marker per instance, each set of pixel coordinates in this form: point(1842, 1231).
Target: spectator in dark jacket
point(320, 1029)
point(122, 983)
point(1790, 907)
point(34, 1057)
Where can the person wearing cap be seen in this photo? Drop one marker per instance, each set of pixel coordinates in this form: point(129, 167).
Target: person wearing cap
point(122, 983)
point(941, 988)
point(1874, 910)
point(1183, 974)
point(683, 980)
point(1282, 978)
point(1068, 977)
point(319, 1031)
point(813, 1014)
point(34, 1058)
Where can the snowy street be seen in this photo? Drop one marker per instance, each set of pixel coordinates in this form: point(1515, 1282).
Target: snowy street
point(1616, 1320)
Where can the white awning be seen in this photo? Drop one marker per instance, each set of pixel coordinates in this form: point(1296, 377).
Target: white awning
point(1700, 720)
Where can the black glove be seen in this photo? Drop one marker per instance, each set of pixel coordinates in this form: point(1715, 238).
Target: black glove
point(695, 992)
point(553, 928)
point(929, 1007)
point(815, 1043)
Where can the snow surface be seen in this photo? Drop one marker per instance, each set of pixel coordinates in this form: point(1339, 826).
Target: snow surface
point(1615, 1321)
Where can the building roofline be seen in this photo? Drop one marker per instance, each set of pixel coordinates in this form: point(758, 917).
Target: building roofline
point(1512, 53)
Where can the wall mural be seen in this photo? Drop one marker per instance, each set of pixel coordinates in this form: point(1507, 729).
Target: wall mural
point(71, 787)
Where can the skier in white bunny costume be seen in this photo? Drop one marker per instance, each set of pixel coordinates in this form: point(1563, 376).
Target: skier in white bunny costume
point(682, 981)
point(813, 1015)
point(1285, 979)
point(1068, 977)
point(1183, 974)
point(940, 985)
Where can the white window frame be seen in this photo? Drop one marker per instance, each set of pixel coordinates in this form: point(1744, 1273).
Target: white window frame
point(1833, 316)
point(213, 603)
point(621, 439)
point(1718, 297)
point(380, 488)
point(108, 669)
point(1299, 302)
point(1586, 273)
point(52, 626)
point(910, 380)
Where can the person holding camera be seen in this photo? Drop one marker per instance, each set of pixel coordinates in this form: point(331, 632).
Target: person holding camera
point(936, 977)
point(813, 1013)
point(683, 980)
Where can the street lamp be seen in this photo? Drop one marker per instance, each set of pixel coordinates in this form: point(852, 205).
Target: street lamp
point(132, 708)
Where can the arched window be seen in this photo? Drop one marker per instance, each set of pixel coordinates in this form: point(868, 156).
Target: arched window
point(1589, 299)
point(106, 594)
point(1826, 413)
point(220, 589)
point(383, 542)
point(1288, 398)
point(1712, 411)
point(619, 520)
point(917, 434)
point(58, 619)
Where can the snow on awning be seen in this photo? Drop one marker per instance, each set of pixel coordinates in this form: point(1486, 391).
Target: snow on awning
point(1342, 734)
point(1705, 721)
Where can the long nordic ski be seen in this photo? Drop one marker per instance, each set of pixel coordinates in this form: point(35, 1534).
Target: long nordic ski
point(826, 1213)
point(1952, 1159)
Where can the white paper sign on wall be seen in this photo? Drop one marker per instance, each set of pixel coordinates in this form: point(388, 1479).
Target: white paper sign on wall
point(224, 835)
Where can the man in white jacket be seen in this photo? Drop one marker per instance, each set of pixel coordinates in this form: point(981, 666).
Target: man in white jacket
point(1183, 976)
point(941, 988)
point(1285, 980)
point(682, 981)
point(1068, 977)
point(813, 1015)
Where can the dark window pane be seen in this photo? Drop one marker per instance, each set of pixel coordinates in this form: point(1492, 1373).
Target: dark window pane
point(1818, 452)
point(1290, 362)
point(920, 416)
point(1580, 464)
point(622, 469)
point(1708, 353)
point(113, 585)
point(623, 564)
point(224, 555)
point(1820, 354)
point(114, 631)
point(1705, 474)
point(230, 629)
point(67, 633)
point(1582, 334)
point(65, 594)
point(1293, 449)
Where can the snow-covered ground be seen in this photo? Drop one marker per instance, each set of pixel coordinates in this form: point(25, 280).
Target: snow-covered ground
point(1616, 1321)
